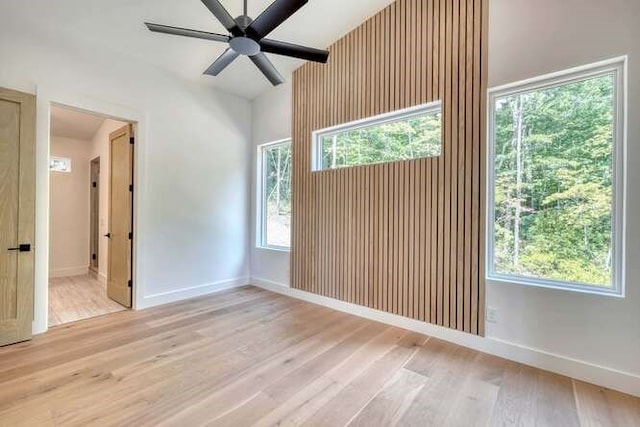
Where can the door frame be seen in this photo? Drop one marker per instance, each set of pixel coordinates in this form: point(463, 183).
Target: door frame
point(52, 96)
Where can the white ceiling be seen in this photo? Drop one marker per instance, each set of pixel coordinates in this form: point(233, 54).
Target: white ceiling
point(118, 25)
point(74, 124)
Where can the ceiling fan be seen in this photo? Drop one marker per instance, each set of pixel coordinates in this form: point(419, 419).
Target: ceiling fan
point(247, 37)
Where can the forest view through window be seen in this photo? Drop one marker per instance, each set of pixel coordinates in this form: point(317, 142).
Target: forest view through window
point(404, 135)
point(276, 195)
point(553, 169)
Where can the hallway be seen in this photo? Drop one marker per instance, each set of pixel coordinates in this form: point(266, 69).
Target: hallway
point(78, 297)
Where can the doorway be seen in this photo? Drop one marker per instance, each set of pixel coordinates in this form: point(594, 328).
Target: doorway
point(91, 176)
point(94, 218)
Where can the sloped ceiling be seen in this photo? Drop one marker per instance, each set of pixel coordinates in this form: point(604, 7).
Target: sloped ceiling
point(118, 25)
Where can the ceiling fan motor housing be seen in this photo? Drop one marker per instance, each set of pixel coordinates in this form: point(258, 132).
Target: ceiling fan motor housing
point(243, 44)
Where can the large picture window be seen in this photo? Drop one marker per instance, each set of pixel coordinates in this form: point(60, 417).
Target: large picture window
point(402, 135)
point(274, 217)
point(556, 157)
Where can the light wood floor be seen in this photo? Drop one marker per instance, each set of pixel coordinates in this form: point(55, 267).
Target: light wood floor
point(250, 357)
point(78, 297)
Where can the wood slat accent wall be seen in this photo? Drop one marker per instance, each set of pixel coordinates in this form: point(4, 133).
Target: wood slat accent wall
point(404, 237)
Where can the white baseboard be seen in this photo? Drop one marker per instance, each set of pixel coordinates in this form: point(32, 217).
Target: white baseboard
point(191, 292)
point(69, 271)
point(100, 277)
point(581, 370)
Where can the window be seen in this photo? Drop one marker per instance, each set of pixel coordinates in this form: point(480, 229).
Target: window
point(404, 135)
point(556, 180)
point(60, 164)
point(274, 216)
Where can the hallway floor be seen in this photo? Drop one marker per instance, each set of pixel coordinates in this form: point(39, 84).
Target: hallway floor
point(78, 297)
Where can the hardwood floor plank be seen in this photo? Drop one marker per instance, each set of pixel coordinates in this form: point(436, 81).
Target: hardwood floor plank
point(306, 401)
point(600, 407)
point(446, 368)
point(325, 370)
point(287, 386)
point(555, 401)
point(593, 408)
point(479, 393)
point(388, 406)
point(516, 403)
point(346, 404)
point(302, 405)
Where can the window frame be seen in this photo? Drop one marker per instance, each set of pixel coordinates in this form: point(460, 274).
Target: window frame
point(65, 160)
point(394, 116)
point(261, 208)
point(617, 67)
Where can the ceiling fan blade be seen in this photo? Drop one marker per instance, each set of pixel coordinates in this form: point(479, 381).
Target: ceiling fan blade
point(296, 51)
point(222, 62)
point(274, 15)
point(223, 16)
point(177, 31)
point(267, 68)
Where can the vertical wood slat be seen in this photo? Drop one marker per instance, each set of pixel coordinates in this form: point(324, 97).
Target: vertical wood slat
point(461, 295)
point(484, 83)
point(441, 167)
point(435, 19)
point(468, 162)
point(427, 94)
point(404, 237)
point(475, 192)
point(453, 167)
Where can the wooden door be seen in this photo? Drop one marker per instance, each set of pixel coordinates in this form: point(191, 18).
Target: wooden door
point(17, 214)
point(119, 277)
point(94, 239)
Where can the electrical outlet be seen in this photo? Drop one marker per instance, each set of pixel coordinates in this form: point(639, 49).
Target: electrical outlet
point(492, 315)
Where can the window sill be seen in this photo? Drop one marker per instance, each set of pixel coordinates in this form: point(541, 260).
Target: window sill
point(274, 249)
point(511, 280)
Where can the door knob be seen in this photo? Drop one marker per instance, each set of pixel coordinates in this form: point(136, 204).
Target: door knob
point(108, 235)
point(25, 247)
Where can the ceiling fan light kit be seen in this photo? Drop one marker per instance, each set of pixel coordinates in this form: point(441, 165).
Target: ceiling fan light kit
point(247, 37)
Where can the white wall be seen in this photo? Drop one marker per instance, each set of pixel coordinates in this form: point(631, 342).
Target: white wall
point(533, 38)
point(271, 114)
point(99, 147)
point(69, 210)
point(550, 328)
point(192, 174)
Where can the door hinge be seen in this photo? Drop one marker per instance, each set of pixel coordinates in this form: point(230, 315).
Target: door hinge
point(132, 140)
point(95, 184)
point(131, 235)
point(131, 187)
point(130, 283)
point(93, 256)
